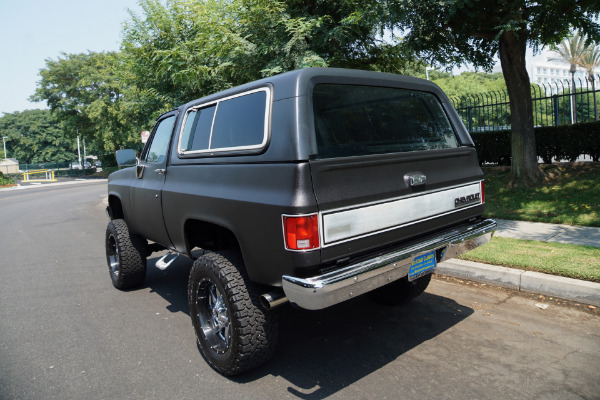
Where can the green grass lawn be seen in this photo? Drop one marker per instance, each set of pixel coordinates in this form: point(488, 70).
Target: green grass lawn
point(570, 195)
point(579, 262)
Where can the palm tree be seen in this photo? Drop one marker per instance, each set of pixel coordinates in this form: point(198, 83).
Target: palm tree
point(590, 61)
point(572, 50)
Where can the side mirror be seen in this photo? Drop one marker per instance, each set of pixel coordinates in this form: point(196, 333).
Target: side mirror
point(126, 158)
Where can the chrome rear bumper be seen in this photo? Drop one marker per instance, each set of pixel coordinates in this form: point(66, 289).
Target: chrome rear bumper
point(334, 287)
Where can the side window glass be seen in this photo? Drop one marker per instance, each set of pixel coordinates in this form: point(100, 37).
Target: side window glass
point(196, 132)
point(240, 121)
point(157, 152)
point(234, 123)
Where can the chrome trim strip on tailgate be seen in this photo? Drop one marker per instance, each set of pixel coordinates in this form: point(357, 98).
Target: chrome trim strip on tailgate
point(347, 224)
point(334, 287)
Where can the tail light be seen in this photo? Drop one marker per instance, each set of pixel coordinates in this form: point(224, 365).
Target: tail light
point(301, 233)
point(482, 192)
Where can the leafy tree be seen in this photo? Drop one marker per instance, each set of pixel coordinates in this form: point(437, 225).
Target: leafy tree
point(591, 61)
point(85, 93)
point(184, 50)
point(572, 50)
point(468, 83)
point(459, 31)
point(350, 34)
point(477, 96)
point(34, 136)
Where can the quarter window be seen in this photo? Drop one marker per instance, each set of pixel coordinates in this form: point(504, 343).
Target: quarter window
point(196, 132)
point(240, 122)
point(235, 123)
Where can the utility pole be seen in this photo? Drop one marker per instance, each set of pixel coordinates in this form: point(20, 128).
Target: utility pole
point(4, 142)
point(427, 69)
point(84, 155)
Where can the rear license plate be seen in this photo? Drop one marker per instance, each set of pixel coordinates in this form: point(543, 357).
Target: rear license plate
point(422, 265)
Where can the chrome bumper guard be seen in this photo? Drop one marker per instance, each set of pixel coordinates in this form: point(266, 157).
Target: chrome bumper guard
point(334, 287)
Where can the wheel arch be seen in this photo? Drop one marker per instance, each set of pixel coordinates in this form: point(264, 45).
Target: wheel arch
point(115, 207)
point(209, 236)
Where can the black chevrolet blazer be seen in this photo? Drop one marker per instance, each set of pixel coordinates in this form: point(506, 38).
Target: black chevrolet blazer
point(309, 187)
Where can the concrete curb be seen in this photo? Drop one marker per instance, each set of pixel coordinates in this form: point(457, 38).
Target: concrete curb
point(526, 281)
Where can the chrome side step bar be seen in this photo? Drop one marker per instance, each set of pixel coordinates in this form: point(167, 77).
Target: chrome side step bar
point(163, 264)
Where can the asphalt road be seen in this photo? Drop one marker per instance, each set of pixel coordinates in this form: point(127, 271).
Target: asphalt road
point(66, 333)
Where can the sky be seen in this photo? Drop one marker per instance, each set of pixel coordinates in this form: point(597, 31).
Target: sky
point(32, 31)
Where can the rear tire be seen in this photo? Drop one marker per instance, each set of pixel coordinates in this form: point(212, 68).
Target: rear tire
point(125, 255)
point(400, 291)
point(235, 333)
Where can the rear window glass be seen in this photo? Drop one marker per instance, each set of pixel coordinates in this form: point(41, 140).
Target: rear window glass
point(355, 120)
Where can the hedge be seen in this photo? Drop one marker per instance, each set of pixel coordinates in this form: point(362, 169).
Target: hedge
point(565, 142)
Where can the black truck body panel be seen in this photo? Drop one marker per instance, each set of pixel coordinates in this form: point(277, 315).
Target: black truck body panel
point(212, 193)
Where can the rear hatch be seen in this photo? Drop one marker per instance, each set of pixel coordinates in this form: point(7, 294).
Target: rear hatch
point(391, 167)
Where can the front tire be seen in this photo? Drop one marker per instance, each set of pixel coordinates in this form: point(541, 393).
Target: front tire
point(235, 333)
point(125, 255)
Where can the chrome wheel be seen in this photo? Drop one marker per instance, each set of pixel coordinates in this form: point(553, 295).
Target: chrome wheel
point(234, 333)
point(125, 255)
point(213, 316)
point(113, 256)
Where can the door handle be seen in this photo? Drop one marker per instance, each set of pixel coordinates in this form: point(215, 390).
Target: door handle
point(160, 171)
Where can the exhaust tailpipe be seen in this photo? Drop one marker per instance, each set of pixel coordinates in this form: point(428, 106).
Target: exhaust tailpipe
point(273, 299)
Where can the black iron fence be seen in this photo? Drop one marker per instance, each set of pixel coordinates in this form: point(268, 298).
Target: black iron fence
point(561, 102)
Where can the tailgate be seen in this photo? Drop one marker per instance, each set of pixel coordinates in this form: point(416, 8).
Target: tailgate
point(390, 168)
point(367, 203)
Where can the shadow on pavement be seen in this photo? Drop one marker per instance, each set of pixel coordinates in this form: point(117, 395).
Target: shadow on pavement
point(171, 284)
point(321, 352)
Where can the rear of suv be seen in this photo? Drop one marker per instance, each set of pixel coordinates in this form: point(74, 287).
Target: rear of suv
point(311, 187)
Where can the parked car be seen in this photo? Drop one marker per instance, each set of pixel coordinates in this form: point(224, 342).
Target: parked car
point(85, 165)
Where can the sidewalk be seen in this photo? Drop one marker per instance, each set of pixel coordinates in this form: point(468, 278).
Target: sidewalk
point(580, 235)
point(529, 281)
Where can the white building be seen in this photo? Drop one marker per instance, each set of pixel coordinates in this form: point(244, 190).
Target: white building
point(547, 67)
point(9, 166)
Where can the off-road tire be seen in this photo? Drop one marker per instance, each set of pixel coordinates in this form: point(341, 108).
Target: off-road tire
point(400, 291)
point(251, 335)
point(125, 255)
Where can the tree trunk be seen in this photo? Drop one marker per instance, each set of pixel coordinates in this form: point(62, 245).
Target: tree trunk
point(524, 166)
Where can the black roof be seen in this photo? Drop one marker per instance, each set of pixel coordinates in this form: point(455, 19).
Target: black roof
point(299, 83)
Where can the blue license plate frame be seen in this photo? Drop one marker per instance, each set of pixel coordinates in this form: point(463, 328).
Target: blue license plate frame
point(422, 265)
